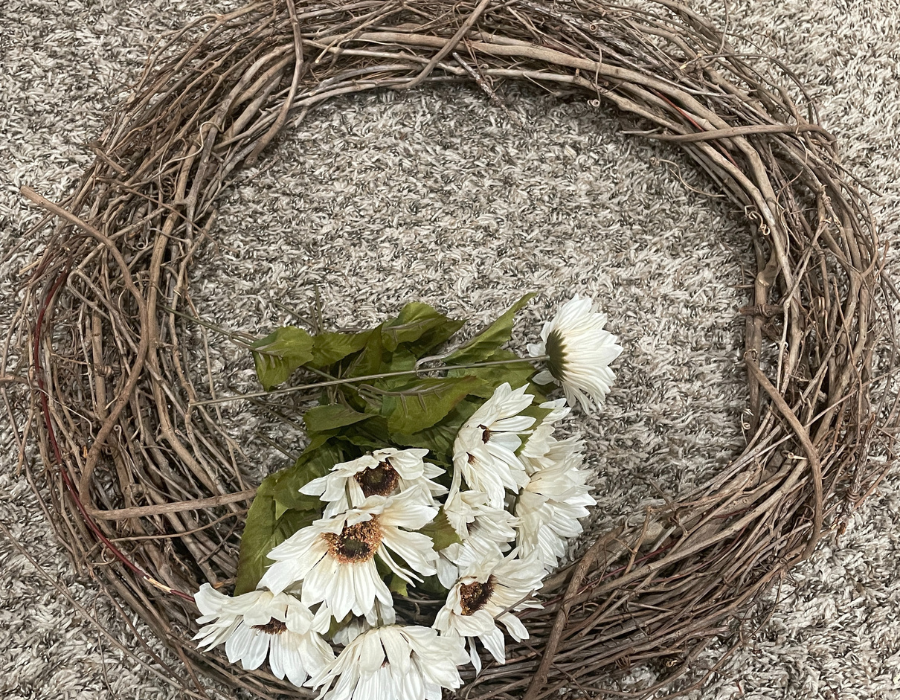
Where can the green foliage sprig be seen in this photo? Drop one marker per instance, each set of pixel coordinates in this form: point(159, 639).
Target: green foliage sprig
point(386, 410)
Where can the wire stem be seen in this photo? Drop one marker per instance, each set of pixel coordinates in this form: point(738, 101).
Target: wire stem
point(368, 377)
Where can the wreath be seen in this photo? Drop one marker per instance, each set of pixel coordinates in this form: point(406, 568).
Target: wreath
point(417, 442)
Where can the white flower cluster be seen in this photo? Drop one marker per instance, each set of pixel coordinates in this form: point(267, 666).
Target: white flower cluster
point(516, 496)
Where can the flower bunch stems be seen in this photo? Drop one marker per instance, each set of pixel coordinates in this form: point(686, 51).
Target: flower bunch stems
point(114, 403)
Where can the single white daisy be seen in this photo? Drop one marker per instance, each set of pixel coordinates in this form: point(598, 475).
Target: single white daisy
point(579, 351)
point(381, 473)
point(260, 624)
point(484, 595)
point(393, 663)
point(549, 507)
point(335, 557)
point(484, 532)
point(484, 452)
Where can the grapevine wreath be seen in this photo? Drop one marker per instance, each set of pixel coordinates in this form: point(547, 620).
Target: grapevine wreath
point(418, 545)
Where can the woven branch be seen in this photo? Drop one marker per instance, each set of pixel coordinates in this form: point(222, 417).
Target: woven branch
point(100, 331)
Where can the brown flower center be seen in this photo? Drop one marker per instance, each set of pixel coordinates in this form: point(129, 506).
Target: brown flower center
point(273, 626)
point(378, 481)
point(474, 596)
point(556, 352)
point(356, 543)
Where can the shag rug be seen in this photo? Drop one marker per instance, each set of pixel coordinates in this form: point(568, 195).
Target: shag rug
point(436, 195)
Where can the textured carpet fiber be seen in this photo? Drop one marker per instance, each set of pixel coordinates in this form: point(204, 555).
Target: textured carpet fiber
point(436, 196)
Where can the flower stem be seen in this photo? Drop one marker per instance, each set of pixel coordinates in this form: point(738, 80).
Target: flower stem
point(368, 377)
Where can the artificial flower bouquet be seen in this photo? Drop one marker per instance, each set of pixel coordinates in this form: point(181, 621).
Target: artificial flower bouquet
point(430, 504)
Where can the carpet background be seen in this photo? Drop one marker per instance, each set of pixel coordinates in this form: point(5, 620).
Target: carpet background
point(434, 195)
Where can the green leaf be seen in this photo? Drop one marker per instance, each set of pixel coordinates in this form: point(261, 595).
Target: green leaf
point(425, 402)
point(262, 532)
point(538, 393)
point(441, 532)
point(431, 584)
point(435, 338)
point(401, 360)
point(398, 585)
point(319, 439)
point(280, 353)
point(486, 343)
point(516, 374)
point(367, 435)
point(439, 438)
point(329, 348)
point(420, 327)
point(370, 360)
point(326, 418)
point(415, 319)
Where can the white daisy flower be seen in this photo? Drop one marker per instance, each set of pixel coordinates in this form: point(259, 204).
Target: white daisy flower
point(541, 438)
point(579, 351)
point(485, 532)
point(351, 630)
point(379, 616)
point(260, 624)
point(484, 452)
point(381, 473)
point(549, 507)
point(393, 663)
point(483, 596)
point(335, 557)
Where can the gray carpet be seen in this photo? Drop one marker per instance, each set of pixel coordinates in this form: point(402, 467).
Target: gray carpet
point(435, 196)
